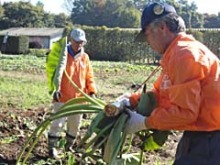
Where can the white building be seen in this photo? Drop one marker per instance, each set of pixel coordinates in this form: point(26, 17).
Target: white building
point(38, 37)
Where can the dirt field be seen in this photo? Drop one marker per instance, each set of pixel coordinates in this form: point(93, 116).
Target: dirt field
point(14, 124)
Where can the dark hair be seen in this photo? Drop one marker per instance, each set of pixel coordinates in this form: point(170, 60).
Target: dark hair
point(174, 22)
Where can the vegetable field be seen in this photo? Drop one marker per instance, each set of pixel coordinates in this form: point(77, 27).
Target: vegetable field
point(25, 103)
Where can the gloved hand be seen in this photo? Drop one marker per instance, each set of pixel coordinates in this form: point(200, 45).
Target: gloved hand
point(56, 96)
point(92, 94)
point(135, 123)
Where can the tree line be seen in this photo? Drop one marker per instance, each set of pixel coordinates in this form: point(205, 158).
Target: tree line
point(109, 13)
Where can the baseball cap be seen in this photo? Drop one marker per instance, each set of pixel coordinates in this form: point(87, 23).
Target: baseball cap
point(78, 35)
point(152, 11)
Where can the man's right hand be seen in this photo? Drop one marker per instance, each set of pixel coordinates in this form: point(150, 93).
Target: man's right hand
point(56, 96)
point(136, 122)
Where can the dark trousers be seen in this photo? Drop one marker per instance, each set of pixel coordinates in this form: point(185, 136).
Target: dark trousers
point(198, 148)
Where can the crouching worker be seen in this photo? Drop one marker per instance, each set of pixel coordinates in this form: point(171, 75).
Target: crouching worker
point(187, 90)
point(77, 65)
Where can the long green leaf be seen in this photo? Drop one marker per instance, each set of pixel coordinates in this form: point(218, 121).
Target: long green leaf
point(42, 127)
point(90, 99)
point(53, 60)
point(79, 107)
point(114, 142)
point(68, 113)
point(33, 136)
point(93, 125)
point(75, 101)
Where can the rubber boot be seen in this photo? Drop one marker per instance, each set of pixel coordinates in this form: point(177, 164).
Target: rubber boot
point(70, 142)
point(53, 150)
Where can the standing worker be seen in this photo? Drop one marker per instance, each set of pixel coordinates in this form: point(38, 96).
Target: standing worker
point(187, 90)
point(77, 65)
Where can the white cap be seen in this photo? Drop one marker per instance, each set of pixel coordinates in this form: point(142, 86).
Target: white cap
point(78, 35)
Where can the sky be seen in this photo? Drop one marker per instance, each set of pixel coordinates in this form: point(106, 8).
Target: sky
point(58, 6)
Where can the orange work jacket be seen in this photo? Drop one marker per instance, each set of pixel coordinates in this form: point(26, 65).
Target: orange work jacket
point(188, 88)
point(80, 71)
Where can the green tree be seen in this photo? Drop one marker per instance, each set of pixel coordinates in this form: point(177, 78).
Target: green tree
point(139, 4)
point(40, 4)
point(188, 12)
point(60, 20)
point(49, 20)
point(212, 20)
point(22, 14)
point(110, 13)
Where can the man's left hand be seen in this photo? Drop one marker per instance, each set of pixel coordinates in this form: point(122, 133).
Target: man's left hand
point(93, 95)
point(56, 96)
point(135, 123)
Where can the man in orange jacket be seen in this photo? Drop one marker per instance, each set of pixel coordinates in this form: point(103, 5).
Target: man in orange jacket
point(77, 65)
point(187, 90)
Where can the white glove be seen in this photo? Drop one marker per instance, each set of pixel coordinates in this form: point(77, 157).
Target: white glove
point(135, 123)
point(124, 97)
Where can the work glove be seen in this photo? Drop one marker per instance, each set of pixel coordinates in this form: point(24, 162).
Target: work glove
point(135, 123)
point(92, 95)
point(56, 96)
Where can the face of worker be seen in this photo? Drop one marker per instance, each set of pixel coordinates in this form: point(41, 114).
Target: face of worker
point(156, 37)
point(76, 45)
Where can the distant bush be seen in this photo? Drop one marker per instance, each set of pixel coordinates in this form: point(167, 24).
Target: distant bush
point(118, 44)
point(38, 52)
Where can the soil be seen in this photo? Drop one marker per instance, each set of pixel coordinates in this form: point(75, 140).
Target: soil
point(16, 124)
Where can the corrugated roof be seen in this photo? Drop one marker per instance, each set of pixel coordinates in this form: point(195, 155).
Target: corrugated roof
point(32, 31)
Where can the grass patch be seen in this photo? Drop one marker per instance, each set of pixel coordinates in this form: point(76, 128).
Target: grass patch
point(23, 81)
point(22, 92)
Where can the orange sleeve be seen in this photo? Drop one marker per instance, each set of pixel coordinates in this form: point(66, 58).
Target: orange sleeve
point(90, 83)
point(181, 110)
point(181, 105)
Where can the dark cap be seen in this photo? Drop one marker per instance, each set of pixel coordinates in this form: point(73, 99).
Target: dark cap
point(151, 12)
